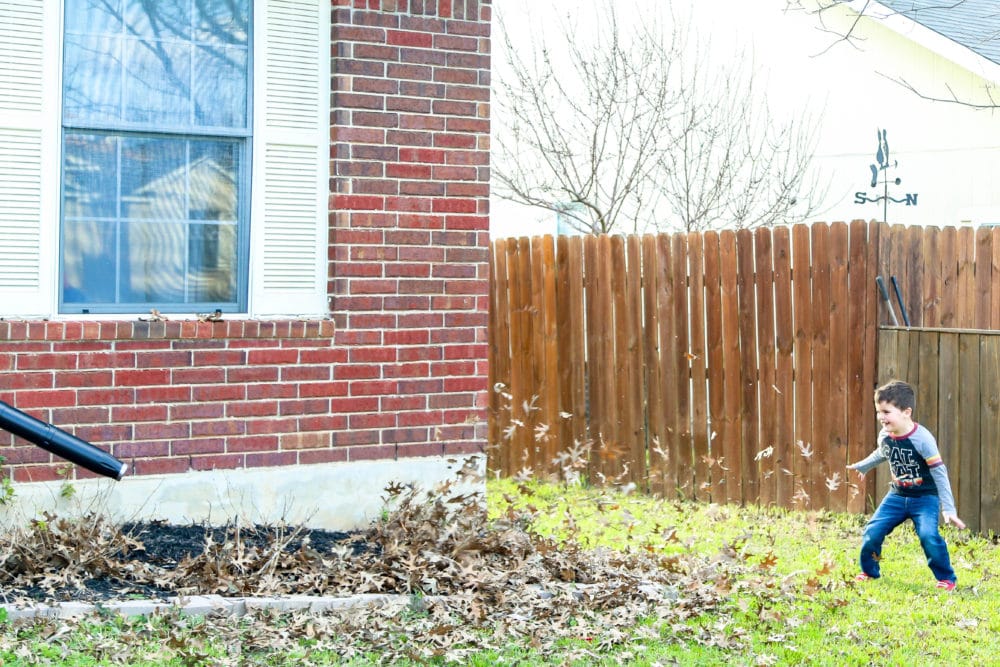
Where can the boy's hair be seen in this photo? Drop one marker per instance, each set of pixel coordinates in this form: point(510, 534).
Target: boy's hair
point(897, 393)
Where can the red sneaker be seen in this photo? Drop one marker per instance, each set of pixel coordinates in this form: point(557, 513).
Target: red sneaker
point(864, 577)
point(946, 585)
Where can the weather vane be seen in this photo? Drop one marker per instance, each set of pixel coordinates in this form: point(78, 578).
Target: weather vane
point(882, 157)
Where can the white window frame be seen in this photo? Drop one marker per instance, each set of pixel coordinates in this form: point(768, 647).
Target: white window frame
point(291, 120)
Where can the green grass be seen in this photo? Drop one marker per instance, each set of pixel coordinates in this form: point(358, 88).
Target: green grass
point(826, 619)
point(794, 601)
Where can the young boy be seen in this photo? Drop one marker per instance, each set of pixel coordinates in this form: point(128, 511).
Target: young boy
point(920, 485)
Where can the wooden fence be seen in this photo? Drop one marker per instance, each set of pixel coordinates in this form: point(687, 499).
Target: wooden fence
point(733, 366)
point(949, 277)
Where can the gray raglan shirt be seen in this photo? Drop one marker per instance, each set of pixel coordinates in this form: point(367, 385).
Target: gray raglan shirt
point(915, 463)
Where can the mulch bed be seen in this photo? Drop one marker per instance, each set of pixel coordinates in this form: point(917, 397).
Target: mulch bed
point(143, 548)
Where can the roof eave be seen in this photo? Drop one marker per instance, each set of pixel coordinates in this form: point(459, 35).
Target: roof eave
point(930, 39)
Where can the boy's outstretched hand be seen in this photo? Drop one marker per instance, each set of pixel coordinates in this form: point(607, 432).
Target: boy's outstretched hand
point(953, 519)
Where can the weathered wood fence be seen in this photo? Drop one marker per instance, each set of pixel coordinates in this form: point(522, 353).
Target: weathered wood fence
point(733, 366)
point(949, 277)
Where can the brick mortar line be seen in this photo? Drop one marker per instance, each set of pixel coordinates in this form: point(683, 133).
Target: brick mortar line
point(49, 331)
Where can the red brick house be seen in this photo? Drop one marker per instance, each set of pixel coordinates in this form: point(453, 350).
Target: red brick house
point(316, 171)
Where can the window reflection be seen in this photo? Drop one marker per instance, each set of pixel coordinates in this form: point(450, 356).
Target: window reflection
point(143, 61)
point(170, 234)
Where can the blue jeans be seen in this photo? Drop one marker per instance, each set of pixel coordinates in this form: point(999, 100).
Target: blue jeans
point(894, 510)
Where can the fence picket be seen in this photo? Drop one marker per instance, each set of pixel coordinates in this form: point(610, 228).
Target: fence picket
point(716, 370)
point(667, 460)
point(969, 463)
point(784, 378)
point(699, 367)
point(621, 461)
point(965, 311)
point(544, 309)
point(930, 285)
point(633, 389)
point(651, 350)
point(821, 364)
point(860, 357)
point(522, 382)
point(839, 318)
point(802, 295)
point(730, 426)
point(750, 447)
point(889, 252)
point(984, 277)
point(595, 371)
point(948, 383)
point(926, 382)
point(684, 459)
point(571, 417)
point(500, 366)
point(989, 436)
point(620, 452)
point(766, 383)
point(608, 444)
point(947, 260)
point(912, 280)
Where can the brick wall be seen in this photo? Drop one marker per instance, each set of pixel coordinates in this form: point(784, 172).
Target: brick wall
point(174, 396)
point(410, 220)
point(400, 368)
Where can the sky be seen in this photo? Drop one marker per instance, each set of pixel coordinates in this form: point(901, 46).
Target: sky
point(849, 90)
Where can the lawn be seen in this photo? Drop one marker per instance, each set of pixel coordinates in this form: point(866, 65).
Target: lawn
point(576, 575)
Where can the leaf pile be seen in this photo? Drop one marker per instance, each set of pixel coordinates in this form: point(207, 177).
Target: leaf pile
point(469, 583)
point(54, 554)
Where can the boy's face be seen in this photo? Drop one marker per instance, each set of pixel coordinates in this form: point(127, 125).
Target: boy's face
point(894, 420)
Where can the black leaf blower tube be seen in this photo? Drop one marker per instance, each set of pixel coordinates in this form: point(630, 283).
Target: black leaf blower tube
point(62, 444)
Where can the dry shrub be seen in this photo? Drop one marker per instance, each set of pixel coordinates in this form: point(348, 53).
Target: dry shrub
point(58, 553)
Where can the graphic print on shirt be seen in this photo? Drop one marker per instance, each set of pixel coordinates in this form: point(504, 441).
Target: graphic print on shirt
point(911, 471)
point(904, 463)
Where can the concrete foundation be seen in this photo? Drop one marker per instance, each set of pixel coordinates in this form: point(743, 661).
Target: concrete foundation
point(336, 496)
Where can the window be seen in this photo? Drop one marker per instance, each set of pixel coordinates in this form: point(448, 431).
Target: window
point(168, 154)
point(156, 141)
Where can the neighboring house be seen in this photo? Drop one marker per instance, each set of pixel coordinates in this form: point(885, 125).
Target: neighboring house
point(316, 170)
point(932, 82)
point(900, 52)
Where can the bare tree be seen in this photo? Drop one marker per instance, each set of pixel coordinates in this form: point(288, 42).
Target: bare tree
point(730, 164)
point(632, 130)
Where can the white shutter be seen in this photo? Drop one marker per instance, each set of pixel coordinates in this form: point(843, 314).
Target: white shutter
point(288, 225)
point(29, 131)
